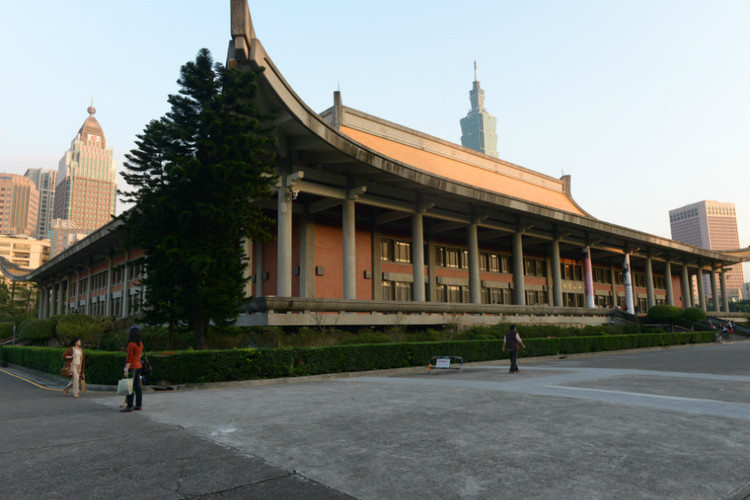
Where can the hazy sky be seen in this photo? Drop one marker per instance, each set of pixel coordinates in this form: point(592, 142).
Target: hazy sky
point(645, 103)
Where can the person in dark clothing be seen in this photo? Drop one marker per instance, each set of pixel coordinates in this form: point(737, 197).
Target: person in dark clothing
point(512, 340)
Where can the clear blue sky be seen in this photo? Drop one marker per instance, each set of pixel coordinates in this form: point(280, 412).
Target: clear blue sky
point(645, 103)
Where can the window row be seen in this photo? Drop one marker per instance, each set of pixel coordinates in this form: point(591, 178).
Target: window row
point(400, 251)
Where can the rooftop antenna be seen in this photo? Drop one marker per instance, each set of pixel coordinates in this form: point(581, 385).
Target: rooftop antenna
point(476, 78)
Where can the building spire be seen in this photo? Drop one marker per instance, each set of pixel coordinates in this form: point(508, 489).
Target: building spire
point(91, 109)
point(476, 78)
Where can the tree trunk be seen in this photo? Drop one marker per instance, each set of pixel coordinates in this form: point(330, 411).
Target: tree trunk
point(200, 325)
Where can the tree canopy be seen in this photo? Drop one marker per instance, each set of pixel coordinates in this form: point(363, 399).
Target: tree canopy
point(194, 175)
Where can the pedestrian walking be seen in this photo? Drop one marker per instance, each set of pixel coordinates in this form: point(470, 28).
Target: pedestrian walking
point(133, 370)
point(75, 363)
point(512, 340)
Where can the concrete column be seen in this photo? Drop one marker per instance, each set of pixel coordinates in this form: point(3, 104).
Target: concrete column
point(88, 292)
point(417, 256)
point(701, 290)
point(687, 290)
point(377, 268)
point(42, 299)
point(650, 283)
point(627, 279)
point(258, 269)
point(431, 270)
point(635, 293)
point(108, 291)
point(518, 283)
point(247, 261)
point(284, 242)
point(556, 275)
point(349, 234)
point(668, 283)
point(125, 288)
point(588, 279)
point(52, 300)
point(724, 298)
point(59, 298)
point(714, 291)
point(307, 257)
point(475, 286)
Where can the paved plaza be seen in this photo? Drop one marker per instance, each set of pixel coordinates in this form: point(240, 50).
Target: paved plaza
point(658, 423)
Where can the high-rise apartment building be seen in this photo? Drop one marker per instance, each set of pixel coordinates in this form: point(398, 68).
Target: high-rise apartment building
point(478, 127)
point(19, 205)
point(86, 188)
point(45, 181)
point(713, 225)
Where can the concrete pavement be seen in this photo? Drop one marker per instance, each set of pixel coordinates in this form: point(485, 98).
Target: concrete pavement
point(664, 423)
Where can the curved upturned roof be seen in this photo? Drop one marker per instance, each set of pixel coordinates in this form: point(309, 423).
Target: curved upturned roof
point(407, 166)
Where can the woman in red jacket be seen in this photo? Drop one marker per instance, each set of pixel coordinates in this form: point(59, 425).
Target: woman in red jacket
point(133, 369)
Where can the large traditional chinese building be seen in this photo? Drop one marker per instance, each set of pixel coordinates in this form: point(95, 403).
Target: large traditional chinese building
point(378, 224)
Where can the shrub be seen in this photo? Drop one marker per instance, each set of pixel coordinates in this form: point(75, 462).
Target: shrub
point(246, 364)
point(664, 313)
point(693, 315)
point(6, 329)
point(37, 331)
point(87, 328)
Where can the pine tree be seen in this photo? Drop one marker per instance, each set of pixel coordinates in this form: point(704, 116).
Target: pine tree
point(195, 173)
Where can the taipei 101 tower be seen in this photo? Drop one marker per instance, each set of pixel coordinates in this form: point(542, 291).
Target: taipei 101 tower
point(478, 127)
point(86, 191)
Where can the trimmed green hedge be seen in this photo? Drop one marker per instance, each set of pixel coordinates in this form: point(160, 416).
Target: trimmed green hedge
point(248, 364)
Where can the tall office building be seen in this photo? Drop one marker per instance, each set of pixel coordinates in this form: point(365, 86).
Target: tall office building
point(478, 127)
point(19, 205)
point(45, 181)
point(713, 225)
point(86, 188)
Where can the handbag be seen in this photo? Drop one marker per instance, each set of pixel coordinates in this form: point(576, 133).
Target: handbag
point(83, 383)
point(125, 387)
point(65, 370)
point(145, 366)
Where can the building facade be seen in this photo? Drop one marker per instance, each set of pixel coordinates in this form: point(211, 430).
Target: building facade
point(63, 234)
point(378, 224)
point(86, 188)
point(19, 205)
point(45, 181)
point(710, 224)
point(24, 252)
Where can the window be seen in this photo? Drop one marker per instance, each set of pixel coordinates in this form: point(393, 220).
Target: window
point(536, 297)
point(494, 263)
point(386, 250)
point(389, 290)
point(403, 252)
point(578, 272)
point(452, 258)
point(534, 267)
point(403, 291)
point(601, 275)
point(397, 290)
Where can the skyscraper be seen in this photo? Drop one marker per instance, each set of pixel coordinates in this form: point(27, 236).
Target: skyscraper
point(19, 205)
point(713, 225)
point(45, 181)
point(478, 127)
point(86, 187)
